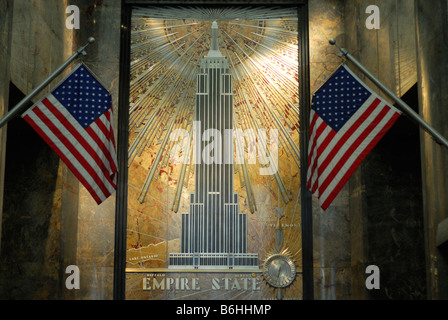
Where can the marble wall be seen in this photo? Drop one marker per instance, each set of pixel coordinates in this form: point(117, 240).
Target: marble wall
point(385, 192)
point(58, 224)
point(40, 43)
point(380, 210)
point(432, 40)
point(33, 184)
point(31, 214)
point(6, 17)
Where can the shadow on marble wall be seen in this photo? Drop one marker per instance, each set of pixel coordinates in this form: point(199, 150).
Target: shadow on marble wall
point(33, 191)
point(393, 214)
point(29, 262)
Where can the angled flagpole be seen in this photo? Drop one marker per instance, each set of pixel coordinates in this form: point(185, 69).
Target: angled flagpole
point(404, 107)
point(23, 104)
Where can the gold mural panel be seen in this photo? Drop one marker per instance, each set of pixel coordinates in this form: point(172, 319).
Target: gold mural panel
point(214, 164)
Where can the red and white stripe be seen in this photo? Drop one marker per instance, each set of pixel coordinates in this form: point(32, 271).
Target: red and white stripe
point(334, 156)
point(89, 153)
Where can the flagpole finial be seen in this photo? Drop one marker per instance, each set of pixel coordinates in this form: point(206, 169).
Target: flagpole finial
point(91, 40)
point(343, 52)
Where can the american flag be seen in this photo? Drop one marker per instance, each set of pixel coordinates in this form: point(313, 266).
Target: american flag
point(347, 120)
point(76, 121)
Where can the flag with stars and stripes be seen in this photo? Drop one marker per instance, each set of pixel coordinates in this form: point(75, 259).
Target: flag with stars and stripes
point(76, 121)
point(347, 120)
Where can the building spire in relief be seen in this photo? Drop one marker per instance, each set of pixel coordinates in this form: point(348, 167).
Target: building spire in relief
point(214, 44)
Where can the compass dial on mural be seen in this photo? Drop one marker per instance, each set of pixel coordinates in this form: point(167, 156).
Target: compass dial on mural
point(279, 271)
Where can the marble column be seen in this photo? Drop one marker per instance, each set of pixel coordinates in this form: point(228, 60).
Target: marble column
point(6, 15)
point(331, 229)
point(432, 40)
point(96, 223)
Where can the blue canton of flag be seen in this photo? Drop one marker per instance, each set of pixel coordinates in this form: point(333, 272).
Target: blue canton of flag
point(83, 96)
point(347, 120)
point(76, 121)
point(339, 99)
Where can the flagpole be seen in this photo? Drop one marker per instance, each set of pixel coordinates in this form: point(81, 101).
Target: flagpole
point(24, 103)
point(407, 109)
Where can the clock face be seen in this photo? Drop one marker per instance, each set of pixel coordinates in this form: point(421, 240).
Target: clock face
point(279, 270)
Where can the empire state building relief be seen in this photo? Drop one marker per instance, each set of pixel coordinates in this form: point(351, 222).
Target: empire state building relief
point(214, 154)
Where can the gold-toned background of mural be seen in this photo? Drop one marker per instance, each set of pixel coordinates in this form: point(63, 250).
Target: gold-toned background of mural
point(167, 45)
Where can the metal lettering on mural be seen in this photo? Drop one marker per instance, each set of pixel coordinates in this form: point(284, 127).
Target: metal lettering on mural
point(208, 86)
